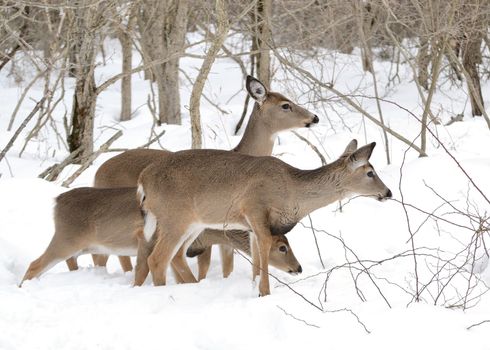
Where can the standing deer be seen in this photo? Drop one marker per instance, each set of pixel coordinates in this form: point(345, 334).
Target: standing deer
point(272, 114)
point(224, 190)
point(109, 221)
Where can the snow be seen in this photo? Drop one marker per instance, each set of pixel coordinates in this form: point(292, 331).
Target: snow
point(99, 308)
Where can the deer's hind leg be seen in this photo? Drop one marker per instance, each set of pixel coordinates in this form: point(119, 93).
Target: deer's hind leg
point(144, 250)
point(72, 263)
point(203, 262)
point(57, 250)
point(170, 239)
point(179, 262)
point(100, 259)
point(125, 262)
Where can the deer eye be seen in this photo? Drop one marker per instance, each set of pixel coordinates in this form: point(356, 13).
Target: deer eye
point(283, 249)
point(370, 174)
point(286, 106)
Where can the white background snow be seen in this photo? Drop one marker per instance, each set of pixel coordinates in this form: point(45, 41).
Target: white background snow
point(95, 308)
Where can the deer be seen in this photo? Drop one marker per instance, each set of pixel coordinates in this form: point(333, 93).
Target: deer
point(281, 255)
point(109, 221)
point(272, 114)
point(225, 190)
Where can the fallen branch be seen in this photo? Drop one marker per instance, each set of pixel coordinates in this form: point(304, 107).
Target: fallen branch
point(478, 324)
point(89, 160)
point(297, 319)
point(52, 173)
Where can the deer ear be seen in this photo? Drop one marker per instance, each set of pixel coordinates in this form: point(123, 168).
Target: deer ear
point(256, 89)
point(351, 147)
point(361, 156)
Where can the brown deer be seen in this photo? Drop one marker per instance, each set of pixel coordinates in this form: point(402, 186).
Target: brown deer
point(281, 256)
point(272, 114)
point(224, 190)
point(109, 221)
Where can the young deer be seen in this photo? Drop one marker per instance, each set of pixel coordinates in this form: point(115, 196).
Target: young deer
point(272, 114)
point(223, 190)
point(281, 256)
point(109, 221)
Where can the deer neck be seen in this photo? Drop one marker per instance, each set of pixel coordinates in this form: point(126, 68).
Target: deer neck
point(319, 187)
point(258, 138)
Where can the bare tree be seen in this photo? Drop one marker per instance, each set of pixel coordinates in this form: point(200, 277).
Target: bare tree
point(125, 38)
point(162, 26)
point(86, 26)
point(219, 37)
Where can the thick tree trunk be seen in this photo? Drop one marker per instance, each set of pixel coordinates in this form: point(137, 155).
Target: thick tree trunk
point(84, 99)
point(126, 80)
point(82, 117)
point(261, 40)
point(423, 60)
point(471, 59)
point(163, 26)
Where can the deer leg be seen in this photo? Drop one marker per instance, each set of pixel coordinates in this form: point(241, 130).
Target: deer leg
point(264, 241)
point(181, 267)
point(168, 243)
point(55, 253)
point(125, 262)
point(100, 259)
point(254, 249)
point(226, 253)
point(203, 262)
point(177, 276)
point(72, 263)
point(144, 250)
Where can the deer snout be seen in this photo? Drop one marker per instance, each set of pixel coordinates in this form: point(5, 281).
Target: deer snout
point(298, 270)
point(315, 120)
point(387, 195)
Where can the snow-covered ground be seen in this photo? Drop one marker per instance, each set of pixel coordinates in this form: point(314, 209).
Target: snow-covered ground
point(98, 308)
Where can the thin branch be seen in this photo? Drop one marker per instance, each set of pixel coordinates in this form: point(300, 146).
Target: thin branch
point(21, 127)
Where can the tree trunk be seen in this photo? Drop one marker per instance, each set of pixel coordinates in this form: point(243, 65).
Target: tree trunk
point(261, 40)
point(127, 60)
point(127, 63)
point(423, 60)
point(365, 24)
point(163, 26)
point(218, 40)
point(471, 58)
point(84, 99)
point(175, 41)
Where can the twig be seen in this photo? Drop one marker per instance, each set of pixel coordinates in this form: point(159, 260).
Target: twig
point(316, 242)
point(21, 127)
point(156, 138)
point(353, 314)
point(312, 146)
point(477, 324)
point(297, 319)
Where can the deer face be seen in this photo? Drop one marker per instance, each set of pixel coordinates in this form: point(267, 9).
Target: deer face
point(360, 176)
point(278, 111)
point(282, 257)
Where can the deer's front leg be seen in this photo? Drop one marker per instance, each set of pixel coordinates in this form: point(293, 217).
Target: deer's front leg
point(264, 241)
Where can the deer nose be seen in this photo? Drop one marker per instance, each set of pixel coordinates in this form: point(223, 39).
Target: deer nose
point(315, 119)
point(300, 269)
point(389, 194)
